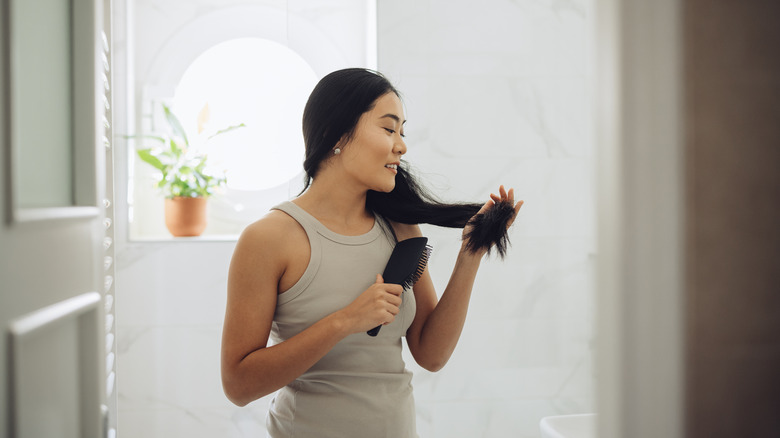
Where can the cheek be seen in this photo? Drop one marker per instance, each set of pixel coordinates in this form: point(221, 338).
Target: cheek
point(382, 144)
point(373, 148)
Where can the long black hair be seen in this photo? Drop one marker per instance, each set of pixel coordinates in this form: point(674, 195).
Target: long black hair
point(331, 115)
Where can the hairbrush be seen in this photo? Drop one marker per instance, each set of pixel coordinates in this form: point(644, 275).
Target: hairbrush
point(406, 265)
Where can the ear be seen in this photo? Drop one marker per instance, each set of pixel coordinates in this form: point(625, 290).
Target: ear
point(343, 141)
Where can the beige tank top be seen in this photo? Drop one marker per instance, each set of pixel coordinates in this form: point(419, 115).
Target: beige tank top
point(361, 388)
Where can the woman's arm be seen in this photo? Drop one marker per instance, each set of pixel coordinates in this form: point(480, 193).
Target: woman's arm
point(437, 325)
point(251, 369)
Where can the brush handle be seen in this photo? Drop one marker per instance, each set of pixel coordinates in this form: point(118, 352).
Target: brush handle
point(407, 258)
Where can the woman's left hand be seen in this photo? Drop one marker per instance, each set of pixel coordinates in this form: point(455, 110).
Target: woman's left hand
point(503, 196)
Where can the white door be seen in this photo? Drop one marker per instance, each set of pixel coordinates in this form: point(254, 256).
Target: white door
point(56, 362)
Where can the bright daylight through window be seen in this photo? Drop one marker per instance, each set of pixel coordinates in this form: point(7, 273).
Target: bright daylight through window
point(263, 85)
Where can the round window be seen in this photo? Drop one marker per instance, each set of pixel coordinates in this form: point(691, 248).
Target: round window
point(259, 83)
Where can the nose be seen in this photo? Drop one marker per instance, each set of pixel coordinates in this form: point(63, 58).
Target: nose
point(400, 146)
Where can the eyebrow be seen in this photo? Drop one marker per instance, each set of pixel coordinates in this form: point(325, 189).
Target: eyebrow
point(394, 117)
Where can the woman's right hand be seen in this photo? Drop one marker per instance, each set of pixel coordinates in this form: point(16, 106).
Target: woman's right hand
point(377, 305)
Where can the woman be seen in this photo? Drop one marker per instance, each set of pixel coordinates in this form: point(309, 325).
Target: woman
point(307, 276)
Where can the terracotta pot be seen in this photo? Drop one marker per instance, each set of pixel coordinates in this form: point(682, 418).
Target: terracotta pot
point(185, 216)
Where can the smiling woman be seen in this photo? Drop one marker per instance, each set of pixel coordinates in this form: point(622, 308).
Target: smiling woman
point(304, 283)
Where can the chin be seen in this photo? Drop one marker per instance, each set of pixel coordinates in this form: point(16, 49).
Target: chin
point(385, 188)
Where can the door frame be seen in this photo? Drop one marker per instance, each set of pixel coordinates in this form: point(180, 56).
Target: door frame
point(54, 263)
point(641, 199)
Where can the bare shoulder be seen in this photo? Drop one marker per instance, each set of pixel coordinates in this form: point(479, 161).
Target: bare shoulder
point(269, 237)
point(406, 231)
point(270, 227)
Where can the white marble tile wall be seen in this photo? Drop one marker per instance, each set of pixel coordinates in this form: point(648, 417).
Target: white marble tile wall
point(495, 93)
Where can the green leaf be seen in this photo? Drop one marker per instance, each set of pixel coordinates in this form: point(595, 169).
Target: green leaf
point(176, 150)
point(202, 165)
point(169, 155)
point(228, 129)
point(175, 124)
point(183, 171)
point(147, 156)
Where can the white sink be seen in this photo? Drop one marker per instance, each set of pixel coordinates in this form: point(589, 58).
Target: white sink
point(569, 426)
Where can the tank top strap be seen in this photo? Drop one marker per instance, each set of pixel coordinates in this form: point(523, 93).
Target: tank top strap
point(307, 221)
point(314, 227)
point(387, 229)
point(309, 225)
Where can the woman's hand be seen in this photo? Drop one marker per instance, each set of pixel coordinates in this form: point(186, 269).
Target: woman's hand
point(506, 197)
point(503, 196)
point(377, 305)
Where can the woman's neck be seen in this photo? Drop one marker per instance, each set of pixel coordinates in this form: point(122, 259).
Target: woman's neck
point(338, 204)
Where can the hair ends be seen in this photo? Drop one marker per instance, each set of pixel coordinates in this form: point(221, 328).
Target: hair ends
point(489, 229)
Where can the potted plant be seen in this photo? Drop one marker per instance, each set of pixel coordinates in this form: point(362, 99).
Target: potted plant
point(184, 178)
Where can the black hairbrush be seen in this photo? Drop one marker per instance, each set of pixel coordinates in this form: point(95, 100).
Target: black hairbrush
point(406, 265)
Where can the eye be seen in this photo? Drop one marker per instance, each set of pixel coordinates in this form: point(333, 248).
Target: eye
point(392, 131)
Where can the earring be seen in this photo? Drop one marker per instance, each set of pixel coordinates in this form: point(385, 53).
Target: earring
point(336, 151)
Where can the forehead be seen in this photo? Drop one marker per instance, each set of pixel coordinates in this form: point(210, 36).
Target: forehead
point(388, 103)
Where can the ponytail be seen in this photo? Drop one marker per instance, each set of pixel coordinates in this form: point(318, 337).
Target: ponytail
point(410, 203)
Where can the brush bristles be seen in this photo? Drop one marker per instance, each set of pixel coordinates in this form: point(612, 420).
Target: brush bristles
point(421, 264)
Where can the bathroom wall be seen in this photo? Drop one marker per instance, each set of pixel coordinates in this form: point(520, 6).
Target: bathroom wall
point(496, 92)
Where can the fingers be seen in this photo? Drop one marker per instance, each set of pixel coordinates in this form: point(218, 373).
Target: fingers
point(506, 196)
point(379, 304)
point(503, 195)
point(390, 300)
point(393, 289)
point(517, 211)
point(395, 300)
point(486, 206)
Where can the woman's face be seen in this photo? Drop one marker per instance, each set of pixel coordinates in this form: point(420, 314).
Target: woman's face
point(375, 149)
